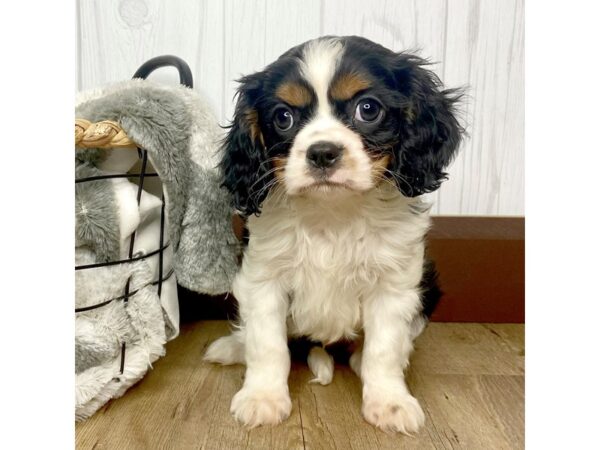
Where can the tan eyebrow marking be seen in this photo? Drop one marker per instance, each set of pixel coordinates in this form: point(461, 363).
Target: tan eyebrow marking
point(294, 94)
point(346, 86)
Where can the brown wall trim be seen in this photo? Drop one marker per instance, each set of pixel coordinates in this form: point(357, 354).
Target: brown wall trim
point(481, 261)
point(471, 227)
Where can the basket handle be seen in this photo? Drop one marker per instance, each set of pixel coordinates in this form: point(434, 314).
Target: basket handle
point(185, 74)
point(109, 134)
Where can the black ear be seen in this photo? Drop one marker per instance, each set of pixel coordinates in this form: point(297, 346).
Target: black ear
point(244, 161)
point(429, 131)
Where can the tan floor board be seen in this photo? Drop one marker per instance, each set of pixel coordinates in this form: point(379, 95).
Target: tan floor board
point(473, 412)
point(468, 377)
point(332, 420)
point(470, 349)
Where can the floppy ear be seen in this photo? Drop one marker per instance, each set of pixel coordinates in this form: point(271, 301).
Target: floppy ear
point(429, 131)
point(244, 160)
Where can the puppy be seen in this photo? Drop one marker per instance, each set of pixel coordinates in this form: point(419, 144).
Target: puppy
point(328, 154)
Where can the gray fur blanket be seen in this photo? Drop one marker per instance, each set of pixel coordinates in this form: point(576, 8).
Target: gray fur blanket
point(116, 343)
point(182, 136)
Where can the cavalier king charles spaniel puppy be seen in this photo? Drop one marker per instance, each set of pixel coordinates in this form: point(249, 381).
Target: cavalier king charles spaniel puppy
point(329, 152)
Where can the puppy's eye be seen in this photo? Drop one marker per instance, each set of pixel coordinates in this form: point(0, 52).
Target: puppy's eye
point(368, 110)
point(283, 119)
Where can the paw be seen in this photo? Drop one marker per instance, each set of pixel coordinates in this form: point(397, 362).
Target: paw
point(226, 350)
point(393, 411)
point(253, 407)
point(321, 365)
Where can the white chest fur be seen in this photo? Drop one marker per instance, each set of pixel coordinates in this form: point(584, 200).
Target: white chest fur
point(330, 255)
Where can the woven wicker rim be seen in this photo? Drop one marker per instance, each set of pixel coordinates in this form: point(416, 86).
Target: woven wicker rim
point(104, 134)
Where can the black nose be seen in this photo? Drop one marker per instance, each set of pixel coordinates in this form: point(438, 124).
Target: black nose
point(323, 154)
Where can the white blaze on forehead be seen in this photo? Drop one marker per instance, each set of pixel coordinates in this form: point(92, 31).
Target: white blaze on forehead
point(319, 61)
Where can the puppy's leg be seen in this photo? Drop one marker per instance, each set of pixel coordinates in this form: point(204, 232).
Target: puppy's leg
point(227, 349)
point(387, 403)
point(320, 364)
point(264, 398)
point(356, 360)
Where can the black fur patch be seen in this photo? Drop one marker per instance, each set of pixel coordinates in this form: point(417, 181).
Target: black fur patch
point(430, 290)
point(247, 160)
point(419, 128)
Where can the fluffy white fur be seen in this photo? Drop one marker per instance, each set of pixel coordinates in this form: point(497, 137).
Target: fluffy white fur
point(329, 261)
point(325, 269)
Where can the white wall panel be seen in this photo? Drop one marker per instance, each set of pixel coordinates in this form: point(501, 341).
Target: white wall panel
point(472, 43)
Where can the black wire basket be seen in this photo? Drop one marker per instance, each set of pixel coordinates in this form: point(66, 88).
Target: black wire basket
point(109, 135)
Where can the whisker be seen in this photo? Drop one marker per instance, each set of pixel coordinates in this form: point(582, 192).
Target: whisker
point(262, 190)
point(263, 176)
point(268, 161)
point(380, 177)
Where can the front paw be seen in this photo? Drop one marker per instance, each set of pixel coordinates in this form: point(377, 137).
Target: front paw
point(254, 407)
point(392, 411)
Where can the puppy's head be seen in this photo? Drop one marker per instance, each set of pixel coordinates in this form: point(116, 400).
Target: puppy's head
point(339, 114)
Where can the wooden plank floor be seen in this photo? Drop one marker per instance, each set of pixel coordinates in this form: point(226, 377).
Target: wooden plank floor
point(469, 379)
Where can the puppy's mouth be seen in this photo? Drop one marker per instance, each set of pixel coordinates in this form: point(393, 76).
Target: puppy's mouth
point(326, 185)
